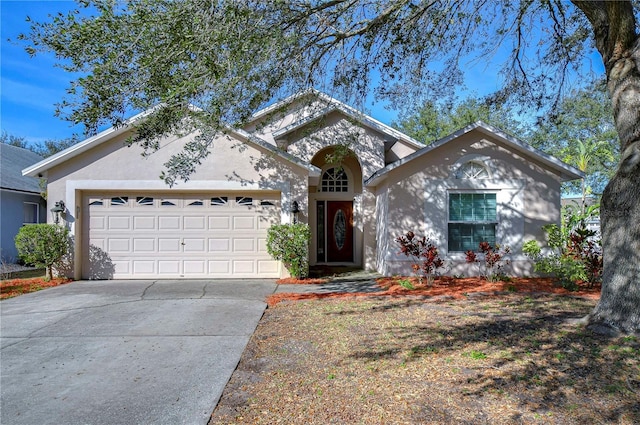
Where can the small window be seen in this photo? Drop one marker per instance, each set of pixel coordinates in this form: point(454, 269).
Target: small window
point(267, 204)
point(144, 200)
point(334, 180)
point(30, 212)
point(167, 203)
point(472, 219)
point(244, 200)
point(473, 170)
point(197, 203)
point(96, 203)
point(219, 200)
point(120, 200)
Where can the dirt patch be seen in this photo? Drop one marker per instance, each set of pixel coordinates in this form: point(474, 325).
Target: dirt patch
point(14, 287)
point(308, 281)
point(445, 288)
point(509, 358)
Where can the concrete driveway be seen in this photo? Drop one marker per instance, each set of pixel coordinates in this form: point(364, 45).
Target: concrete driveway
point(124, 352)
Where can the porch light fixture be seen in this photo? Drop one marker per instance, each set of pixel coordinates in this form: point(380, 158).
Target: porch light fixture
point(57, 210)
point(295, 210)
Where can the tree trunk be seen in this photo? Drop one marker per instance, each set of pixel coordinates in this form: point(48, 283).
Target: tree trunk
point(615, 36)
point(619, 307)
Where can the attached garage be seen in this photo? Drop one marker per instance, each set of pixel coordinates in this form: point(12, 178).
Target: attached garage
point(178, 235)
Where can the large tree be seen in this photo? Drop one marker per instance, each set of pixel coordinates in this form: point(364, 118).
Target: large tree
point(229, 57)
point(432, 120)
point(581, 131)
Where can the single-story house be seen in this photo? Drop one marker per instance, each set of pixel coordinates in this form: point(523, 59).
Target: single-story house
point(21, 202)
point(476, 184)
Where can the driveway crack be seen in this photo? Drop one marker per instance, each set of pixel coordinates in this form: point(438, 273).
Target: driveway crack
point(144, 293)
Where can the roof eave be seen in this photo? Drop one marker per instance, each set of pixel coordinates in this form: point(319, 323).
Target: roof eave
point(85, 145)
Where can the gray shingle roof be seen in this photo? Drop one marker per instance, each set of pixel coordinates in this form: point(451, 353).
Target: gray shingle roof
point(13, 160)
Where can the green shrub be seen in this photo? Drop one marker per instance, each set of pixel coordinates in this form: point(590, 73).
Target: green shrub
point(42, 245)
point(575, 251)
point(289, 243)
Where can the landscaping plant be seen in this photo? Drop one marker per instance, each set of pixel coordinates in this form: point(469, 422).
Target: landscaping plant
point(424, 253)
point(493, 257)
point(43, 245)
point(289, 243)
point(575, 251)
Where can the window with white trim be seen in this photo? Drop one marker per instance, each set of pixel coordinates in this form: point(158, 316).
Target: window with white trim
point(334, 180)
point(472, 219)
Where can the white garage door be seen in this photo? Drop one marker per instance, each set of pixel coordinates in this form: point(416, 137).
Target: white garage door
point(169, 236)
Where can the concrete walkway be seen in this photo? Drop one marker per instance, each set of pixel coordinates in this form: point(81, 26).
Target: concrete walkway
point(124, 352)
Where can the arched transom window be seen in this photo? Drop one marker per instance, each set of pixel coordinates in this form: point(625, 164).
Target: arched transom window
point(334, 180)
point(473, 170)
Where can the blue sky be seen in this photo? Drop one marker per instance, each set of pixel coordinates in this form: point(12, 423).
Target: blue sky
point(30, 87)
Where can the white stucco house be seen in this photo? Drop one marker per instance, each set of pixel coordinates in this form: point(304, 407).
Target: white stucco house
point(476, 184)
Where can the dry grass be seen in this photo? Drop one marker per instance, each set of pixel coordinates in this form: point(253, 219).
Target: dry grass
point(508, 359)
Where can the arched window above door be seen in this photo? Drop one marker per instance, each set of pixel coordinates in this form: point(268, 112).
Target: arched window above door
point(334, 180)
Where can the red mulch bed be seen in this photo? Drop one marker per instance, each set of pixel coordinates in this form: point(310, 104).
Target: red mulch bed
point(450, 288)
point(14, 287)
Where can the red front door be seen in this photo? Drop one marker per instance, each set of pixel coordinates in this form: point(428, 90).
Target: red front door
point(339, 225)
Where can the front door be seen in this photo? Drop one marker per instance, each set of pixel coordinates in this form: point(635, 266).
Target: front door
point(339, 225)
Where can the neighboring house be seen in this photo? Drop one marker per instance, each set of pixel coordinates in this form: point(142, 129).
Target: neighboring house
point(476, 184)
point(20, 199)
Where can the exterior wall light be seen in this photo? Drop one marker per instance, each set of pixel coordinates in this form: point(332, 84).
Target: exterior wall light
point(295, 210)
point(57, 210)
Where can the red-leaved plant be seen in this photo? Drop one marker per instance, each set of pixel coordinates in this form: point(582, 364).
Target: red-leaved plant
point(494, 260)
point(426, 260)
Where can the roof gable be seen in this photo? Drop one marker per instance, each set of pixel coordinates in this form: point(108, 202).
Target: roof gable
point(332, 105)
point(13, 160)
point(109, 134)
point(564, 170)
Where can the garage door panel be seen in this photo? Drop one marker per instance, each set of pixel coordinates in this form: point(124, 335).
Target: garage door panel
point(144, 245)
point(194, 244)
point(97, 243)
point(244, 223)
point(169, 245)
point(98, 223)
point(194, 223)
point(118, 223)
point(219, 244)
point(168, 267)
point(244, 267)
point(150, 236)
point(194, 267)
point(244, 245)
point(267, 267)
point(169, 223)
point(144, 223)
point(147, 267)
point(219, 223)
point(119, 245)
point(121, 267)
point(219, 267)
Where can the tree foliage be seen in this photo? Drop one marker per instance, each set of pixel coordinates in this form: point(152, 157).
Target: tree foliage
point(581, 132)
point(45, 149)
point(228, 58)
point(432, 121)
